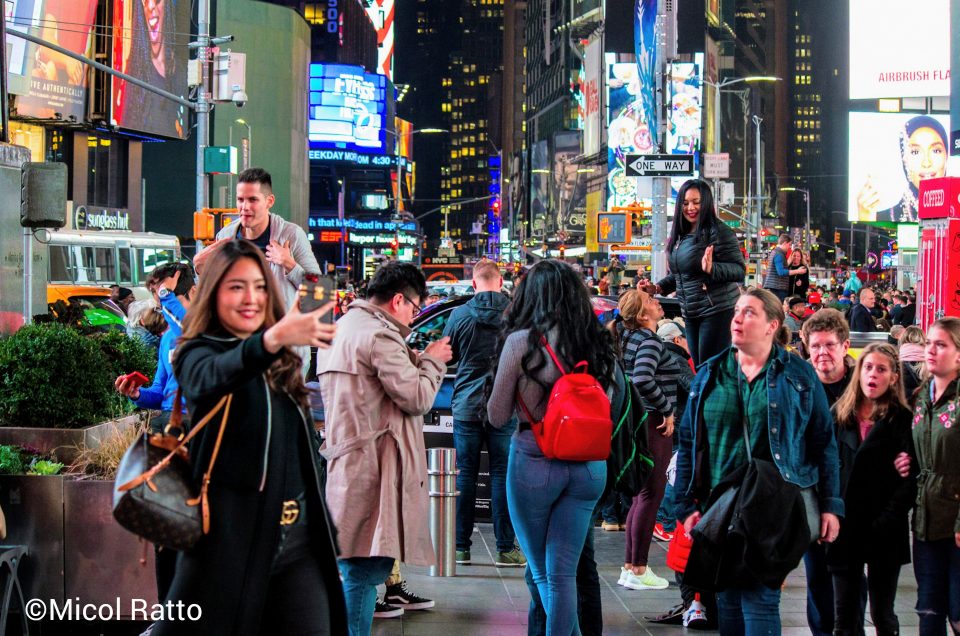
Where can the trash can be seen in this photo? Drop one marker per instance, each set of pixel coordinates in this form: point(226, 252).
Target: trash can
point(442, 473)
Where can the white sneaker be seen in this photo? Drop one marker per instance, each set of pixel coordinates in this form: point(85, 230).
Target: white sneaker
point(623, 575)
point(646, 581)
point(695, 615)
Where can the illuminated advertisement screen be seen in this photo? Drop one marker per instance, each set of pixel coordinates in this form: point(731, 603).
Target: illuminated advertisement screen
point(889, 154)
point(381, 13)
point(49, 82)
point(685, 123)
point(627, 131)
point(540, 189)
point(347, 108)
point(899, 49)
point(908, 236)
point(153, 49)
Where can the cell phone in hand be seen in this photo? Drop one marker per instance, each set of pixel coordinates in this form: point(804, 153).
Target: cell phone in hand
point(137, 378)
point(314, 294)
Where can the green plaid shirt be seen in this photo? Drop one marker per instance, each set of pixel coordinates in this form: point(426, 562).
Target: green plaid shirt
point(722, 413)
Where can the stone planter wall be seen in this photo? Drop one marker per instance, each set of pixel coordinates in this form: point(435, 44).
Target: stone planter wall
point(65, 443)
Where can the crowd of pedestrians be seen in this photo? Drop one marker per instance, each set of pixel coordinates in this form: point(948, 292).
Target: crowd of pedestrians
point(770, 443)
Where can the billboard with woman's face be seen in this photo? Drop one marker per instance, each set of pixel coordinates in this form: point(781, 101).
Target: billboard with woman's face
point(153, 49)
point(890, 153)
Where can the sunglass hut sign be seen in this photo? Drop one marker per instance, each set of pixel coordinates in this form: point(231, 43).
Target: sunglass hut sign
point(84, 219)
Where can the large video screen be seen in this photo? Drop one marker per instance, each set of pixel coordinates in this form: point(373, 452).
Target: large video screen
point(899, 49)
point(889, 155)
point(153, 48)
point(348, 108)
point(51, 85)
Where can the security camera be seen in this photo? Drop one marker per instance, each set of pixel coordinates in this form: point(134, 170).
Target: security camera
point(239, 98)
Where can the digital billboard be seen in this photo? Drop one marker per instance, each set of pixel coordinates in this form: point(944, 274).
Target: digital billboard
point(49, 82)
point(153, 49)
point(568, 190)
point(890, 153)
point(627, 130)
point(685, 128)
point(540, 190)
point(899, 49)
point(381, 13)
point(348, 108)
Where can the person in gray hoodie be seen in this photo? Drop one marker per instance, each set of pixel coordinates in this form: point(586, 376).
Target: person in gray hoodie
point(473, 329)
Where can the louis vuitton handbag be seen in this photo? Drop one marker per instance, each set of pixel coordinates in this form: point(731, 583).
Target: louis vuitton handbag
point(154, 496)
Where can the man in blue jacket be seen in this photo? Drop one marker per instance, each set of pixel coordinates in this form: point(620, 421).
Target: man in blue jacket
point(174, 290)
point(473, 329)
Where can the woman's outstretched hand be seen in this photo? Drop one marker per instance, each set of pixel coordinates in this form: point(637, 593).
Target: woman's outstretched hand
point(298, 329)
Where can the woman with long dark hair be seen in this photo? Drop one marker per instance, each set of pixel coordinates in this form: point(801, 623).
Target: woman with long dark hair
point(551, 502)
point(706, 266)
point(269, 562)
point(873, 426)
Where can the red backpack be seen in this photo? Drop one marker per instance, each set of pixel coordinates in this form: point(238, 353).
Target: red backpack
point(577, 425)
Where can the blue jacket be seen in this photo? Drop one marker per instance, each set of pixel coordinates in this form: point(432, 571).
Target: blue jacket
point(161, 393)
point(473, 329)
point(799, 424)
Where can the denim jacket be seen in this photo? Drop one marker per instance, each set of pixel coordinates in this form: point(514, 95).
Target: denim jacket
point(799, 424)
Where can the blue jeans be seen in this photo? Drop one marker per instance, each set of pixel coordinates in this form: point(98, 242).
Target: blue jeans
point(708, 336)
point(936, 565)
point(361, 576)
point(753, 611)
point(551, 503)
point(614, 507)
point(468, 438)
point(589, 605)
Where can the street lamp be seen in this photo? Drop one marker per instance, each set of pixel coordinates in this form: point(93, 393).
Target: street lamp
point(806, 198)
point(718, 87)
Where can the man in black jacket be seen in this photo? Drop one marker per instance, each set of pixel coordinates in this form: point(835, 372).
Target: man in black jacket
point(860, 318)
point(908, 311)
point(473, 330)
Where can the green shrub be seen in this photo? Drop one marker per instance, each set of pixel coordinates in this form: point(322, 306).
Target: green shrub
point(52, 376)
point(22, 460)
point(124, 354)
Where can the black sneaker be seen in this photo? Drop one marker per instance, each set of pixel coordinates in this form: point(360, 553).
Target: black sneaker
point(382, 610)
point(673, 616)
point(400, 596)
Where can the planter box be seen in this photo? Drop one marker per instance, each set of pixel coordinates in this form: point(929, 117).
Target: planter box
point(76, 549)
point(65, 443)
point(102, 560)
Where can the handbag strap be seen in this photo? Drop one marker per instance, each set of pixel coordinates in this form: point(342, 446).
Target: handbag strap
point(202, 498)
point(743, 412)
point(163, 463)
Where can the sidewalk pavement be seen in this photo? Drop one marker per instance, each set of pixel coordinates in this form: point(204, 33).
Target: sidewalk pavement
point(486, 600)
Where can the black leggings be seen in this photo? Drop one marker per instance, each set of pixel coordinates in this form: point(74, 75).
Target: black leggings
point(847, 589)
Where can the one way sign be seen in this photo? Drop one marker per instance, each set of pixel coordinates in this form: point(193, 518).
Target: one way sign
point(659, 166)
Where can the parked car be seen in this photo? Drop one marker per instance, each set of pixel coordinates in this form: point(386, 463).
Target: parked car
point(95, 301)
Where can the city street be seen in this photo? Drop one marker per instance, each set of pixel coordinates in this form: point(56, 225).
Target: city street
point(483, 599)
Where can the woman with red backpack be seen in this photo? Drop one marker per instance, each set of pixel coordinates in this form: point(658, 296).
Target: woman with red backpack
point(550, 324)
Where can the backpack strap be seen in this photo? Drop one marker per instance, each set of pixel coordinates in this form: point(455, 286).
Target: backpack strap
point(556, 360)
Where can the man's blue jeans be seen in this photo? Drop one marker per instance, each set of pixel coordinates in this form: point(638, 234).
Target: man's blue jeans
point(589, 604)
point(753, 611)
point(936, 565)
point(551, 504)
point(361, 576)
point(468, 439)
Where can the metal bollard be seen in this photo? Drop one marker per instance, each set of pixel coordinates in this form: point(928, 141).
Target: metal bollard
point(442, 473)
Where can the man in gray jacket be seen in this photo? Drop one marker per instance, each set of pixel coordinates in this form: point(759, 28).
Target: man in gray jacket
point(473, 329)
point(285, 244)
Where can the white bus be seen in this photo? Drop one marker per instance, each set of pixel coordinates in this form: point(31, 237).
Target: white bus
point(107, 258)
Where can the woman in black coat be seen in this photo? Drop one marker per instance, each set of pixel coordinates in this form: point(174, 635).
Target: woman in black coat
point(269, 562)
point(706, 266)
point(873, 427)
point(799, 284)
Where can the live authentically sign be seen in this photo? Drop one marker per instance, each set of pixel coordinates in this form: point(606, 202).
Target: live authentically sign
point(659, 166)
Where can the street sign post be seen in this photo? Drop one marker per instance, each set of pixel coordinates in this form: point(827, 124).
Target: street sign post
point(659, 166)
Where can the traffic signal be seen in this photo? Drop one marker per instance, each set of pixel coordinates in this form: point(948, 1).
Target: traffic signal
point(203, 226)
point(394, 245)
point(836, 237)
point(563, 250)
point(496, 206)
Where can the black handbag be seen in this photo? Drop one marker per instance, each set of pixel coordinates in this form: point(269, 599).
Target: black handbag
point(154, 496)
